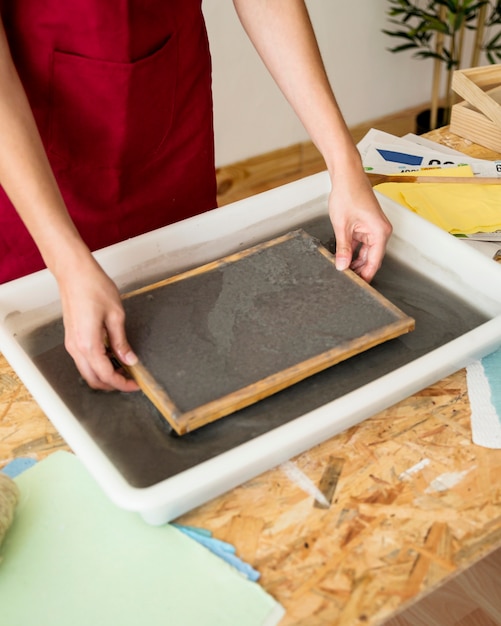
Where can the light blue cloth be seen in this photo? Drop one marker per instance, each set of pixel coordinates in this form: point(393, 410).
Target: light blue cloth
point(224, 550)
point(484, 391)
point(17, 466)
point(492, 368)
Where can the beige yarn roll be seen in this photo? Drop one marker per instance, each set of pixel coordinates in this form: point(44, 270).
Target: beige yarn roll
point(9, 496)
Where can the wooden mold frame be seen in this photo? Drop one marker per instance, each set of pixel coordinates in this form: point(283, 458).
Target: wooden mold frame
point(478, 117)
point(396, 324)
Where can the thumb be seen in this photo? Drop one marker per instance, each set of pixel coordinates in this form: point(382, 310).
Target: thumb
point(121, 347)
point(343, 253)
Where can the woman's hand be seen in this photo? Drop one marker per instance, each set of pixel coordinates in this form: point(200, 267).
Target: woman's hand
point(360, 226)
point(93, 318)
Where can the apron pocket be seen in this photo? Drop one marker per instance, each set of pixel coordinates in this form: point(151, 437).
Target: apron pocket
point(107, 114)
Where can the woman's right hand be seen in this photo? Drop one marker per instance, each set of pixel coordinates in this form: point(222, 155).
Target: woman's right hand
point(93, 318)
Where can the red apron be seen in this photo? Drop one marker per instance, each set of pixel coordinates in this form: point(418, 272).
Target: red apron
point(121, 92)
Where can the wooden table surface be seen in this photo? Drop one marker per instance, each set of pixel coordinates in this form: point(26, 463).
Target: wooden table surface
point(393, 530)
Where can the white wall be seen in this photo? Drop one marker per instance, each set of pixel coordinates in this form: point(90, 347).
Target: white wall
point(251, 115)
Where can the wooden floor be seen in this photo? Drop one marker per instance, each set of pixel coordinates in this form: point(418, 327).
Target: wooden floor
point(472, 598)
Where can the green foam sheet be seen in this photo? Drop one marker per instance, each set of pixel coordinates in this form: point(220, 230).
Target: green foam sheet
point(73, 557)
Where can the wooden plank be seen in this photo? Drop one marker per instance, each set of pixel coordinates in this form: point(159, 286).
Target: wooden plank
point(473, 125)
point(290, 314)
point(478, 117)
point(480, 88)
point(448, 138)
point(377, 179)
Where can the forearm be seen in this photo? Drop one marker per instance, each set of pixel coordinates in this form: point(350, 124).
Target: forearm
point(282, 33)
point(26, 175)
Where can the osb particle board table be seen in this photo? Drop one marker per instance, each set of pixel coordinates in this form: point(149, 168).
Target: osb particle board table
point(390, 533)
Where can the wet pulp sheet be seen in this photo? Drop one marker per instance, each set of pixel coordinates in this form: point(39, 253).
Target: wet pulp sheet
point(230, 333)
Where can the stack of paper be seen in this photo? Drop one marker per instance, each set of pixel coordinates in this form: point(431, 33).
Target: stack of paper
point(384, 153)
point(460, 209)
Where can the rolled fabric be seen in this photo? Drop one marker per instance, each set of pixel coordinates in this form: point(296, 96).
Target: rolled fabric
point(9, 496)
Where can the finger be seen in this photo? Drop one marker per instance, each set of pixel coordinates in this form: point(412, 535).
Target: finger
point(99, 373)
point(359, 260)
point(117, 339)
point(344, 252)
point(118, 380)
point(96, 368)
point(371, 259)
point(119, 345)
point(89, 375)
point(107, 375)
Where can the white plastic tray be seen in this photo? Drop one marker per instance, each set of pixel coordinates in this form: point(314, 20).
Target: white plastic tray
point(31, 302)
